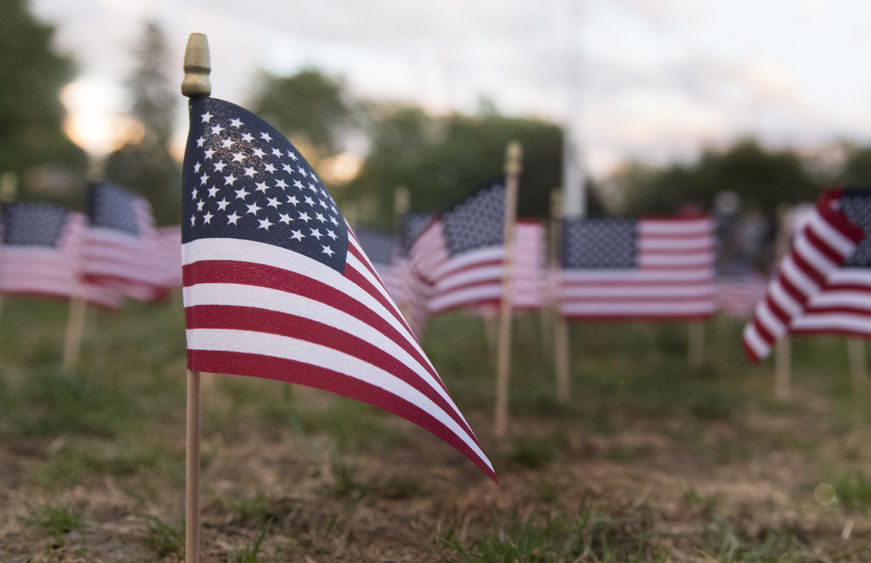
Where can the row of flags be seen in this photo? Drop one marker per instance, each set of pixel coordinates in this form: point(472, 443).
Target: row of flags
point(111, 252)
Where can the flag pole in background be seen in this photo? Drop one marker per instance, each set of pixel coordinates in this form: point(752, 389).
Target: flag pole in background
point(782, 353)
point(513, 155)
point(560, 326)
point(8, 192)
point(401, 205)
point(195, 84)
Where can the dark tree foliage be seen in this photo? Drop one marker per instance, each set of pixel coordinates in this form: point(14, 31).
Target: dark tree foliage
point(146, 166)
point(443, 159)
point(308, 105)
point(31, 113)
point(857, 168)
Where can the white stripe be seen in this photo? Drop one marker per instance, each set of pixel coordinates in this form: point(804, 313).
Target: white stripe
point(841, 244)
point(329, 358)
point(769, 320)
point(634, 276)
point(644, 291)
point(463, 296)
point(647, 260)
point(470, 258)
point(780, 296)
point(797, 277)
point(840, 298)
point(833, 322)
point(648, 227)
point(811, 254)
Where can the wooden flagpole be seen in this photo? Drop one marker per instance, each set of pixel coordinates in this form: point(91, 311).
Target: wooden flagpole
point(782, 353)
point(196, 83)
point(513, 155)
point(560, 326)
point(401, 205)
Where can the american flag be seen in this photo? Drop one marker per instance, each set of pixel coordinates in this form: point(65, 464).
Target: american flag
point(620, 268)
point(823, 284)
point(460, 253)
point(382, 248)
point(41, 254)
point(277, 286)
point(122, 249)
point(738, 295)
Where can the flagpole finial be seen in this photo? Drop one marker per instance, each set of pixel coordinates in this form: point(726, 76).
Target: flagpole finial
point(196, 67)
point(513, 154)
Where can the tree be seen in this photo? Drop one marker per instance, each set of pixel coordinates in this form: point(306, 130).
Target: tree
point(146, 166)
point(31, 113)
point(310, 108)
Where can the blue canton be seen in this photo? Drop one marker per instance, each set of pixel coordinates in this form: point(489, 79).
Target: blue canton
point(243, 179)
point(599, 244)
point(33, 224)
point(113, 207)
point(856, 205)
point(477, 222)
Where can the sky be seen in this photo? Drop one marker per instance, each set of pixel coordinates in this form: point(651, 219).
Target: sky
point(655, 80)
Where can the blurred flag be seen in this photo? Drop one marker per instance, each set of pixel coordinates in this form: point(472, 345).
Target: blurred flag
point(122, 249)
point(824, 283)
point(42, 251)
point(641, 269)
point(277, 286)
point(169, 249)
point(460, 253)
point(382, 248)
point(738, 295)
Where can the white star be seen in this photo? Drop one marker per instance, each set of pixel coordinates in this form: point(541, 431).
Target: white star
point(242, 193)
point(262, 187)
point(301, 170)
point(309, 201)
point(320, 218)
point(276, 152)
point(203, 179)
point(323, 204)
point(206, 117)
point(284, 218)
point(312, 187)
point(291, 155)
point(238, 157)
point(226, 143)
point(304, 217)
point(197, 167)
point(281, 184)
point(216, 129)
point(236, 122)
point(265, 223)
point(297, 235)
point(273, 202)
point(328, 251)
point(222, 205)
point(253, 208)
point(230, 179)
point(200, 204)
point(209, 153)
point(207, 218)
point(292, 200)
point(258, 152)
point(333, 221)
point(200, 142)
point(213, 191)
point(332, 235)
point(265, 136)
point(233, 218)
point(193, 220)
point(298, 184)
point(269, 168)
point(287, 168)
point(194, 194)
point(249, 171)
point(219, 166)
point(316, 233)
point(247, 137)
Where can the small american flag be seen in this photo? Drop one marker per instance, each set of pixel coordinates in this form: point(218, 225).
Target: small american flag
point(277, 286)
point(620, 268)
point(460, 253)
point(823, 285)
point(738, 295)
point(41, 254)
point(122, 249)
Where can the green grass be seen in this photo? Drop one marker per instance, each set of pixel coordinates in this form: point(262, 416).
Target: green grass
point(56, 520)
point(164, 540)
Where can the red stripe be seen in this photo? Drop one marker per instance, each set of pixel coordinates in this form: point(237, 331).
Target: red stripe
point(791, 289)
point(849, 286)
point(246, 273)
point(293, 326)
point(763, 332)
point(841, 309)
point(328, 380)
point(808, 269)
point(777, 310)
point(814, 239)
point(470, 266)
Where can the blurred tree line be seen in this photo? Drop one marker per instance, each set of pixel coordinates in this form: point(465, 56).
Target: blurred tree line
point(439, 158)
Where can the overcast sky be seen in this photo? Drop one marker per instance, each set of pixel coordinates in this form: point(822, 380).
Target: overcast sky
point(649, 79)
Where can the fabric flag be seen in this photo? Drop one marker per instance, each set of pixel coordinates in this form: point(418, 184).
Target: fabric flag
point(382, 249)
point(42, 251)
point(169, 249)
point(277, 286)
point(414, 292)
point(823, 284)
point(460, 253)
point(737, 296)
point(122, 249)
point(622, 268)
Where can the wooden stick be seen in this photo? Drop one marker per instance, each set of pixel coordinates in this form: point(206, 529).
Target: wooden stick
point(782, 363)
point(195, 84)
point(192, 469)
point(858, 362)
point(401, 205)
point(503, 365)
point(560, 327)
point(695, 344)
point(75, 329)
